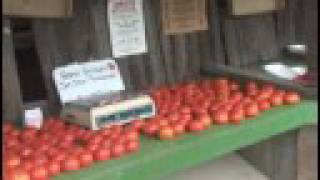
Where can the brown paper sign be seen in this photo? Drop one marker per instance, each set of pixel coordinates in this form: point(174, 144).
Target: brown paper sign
point(249, 7)
point(38, 8)
point(183, 16)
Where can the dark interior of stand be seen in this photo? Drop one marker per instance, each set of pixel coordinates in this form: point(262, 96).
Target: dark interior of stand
point(28, 65)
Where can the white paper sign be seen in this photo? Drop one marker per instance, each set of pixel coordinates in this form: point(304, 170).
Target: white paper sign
point(91, 78)
point(33, 117)
point(127, 29)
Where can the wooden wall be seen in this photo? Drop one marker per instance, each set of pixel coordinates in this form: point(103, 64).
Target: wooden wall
point(237, 42)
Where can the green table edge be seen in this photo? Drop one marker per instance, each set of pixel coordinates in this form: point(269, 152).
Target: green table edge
point(157, 159)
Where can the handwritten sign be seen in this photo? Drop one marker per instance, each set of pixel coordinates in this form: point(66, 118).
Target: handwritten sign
point(183, 16)
point(127, 28)
point(33, 117)
point(97, 77)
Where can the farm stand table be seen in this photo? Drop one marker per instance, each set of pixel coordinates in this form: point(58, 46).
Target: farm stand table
point(157, 159)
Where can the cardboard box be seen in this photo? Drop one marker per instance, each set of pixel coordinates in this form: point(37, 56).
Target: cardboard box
point(101, 111)
point(250, 7)
point(38, 8)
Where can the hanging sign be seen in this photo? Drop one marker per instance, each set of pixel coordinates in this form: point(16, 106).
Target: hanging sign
point(183, 16)
point(249, 7)
point(76, 81)
point(127, 29)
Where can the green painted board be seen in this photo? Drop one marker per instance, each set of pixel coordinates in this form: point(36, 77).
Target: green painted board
point(157, 159)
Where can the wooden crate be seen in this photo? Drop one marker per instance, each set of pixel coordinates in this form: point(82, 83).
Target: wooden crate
point(38, 8)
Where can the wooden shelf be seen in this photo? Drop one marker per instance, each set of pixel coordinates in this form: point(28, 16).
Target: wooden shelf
point(157, 159)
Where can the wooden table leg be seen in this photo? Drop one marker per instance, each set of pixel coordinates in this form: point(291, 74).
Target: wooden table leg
point(276, 157)
point(307, 153)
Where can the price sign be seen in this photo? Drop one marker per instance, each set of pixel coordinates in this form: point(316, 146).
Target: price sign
point(127, 27)
point(97, 77)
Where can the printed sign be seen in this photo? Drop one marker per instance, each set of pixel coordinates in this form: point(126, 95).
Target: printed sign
point(33, 117)
point(127, 29)
point(76, 81)
point(182, 16)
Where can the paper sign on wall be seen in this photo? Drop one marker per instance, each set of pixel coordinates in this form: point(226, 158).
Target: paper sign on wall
point(249, 7)
point(97, 77)
point(127, 29)
point(182, 16)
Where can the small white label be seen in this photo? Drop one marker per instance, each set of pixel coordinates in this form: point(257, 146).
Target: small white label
point(33, 117)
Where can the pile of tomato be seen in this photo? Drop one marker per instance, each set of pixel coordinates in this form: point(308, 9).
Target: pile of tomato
point(35, 154)
point(195, 106)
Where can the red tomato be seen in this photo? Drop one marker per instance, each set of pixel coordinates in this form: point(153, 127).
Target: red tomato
point(236, 115)
point(162, 122)
point(26, 152)
point(52, 151)
point(150, 129)
point(11, 142)
point(116, 129)
point(96, 139)
point(60, 156)
point(71, 163)
point(276, 100)
point(7, 127)
point(117, 150)
point(264, 105)
point(280, 92)
point(166, 132)
point(220, 116)
point(205, 119)
point(28, 133)
point(178, 128)
point(86, 158)
point(269, 88)
point(40, 159)
point(185, 110)
point(39, 173)
point(173, 116)
point(28, 165)
point(53, 168)
point(138, 124)
point(251, 109)
point(17, 174)
point(106, 143)
point(131, 135)
point(234, 86)
point(92, 147)
point(12, 161)
point(132, 146)
point(236, 96)
point(291, 98)
point(195, 126)
point(185, 117)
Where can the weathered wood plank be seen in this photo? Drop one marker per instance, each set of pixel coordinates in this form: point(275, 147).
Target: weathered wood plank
point(277, 157)
point(11, 93)
point(308, 153)
point(250, 39)
point(100, 39)
point(180, 57)
point(153, 30)
point(49, 56)
point(215, 35)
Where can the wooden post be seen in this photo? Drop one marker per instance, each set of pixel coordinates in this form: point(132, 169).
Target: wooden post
point(11, 94)
point(276, 158)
